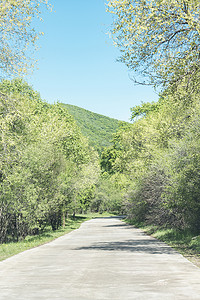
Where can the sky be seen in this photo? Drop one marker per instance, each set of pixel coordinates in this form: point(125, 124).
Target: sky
point(77, 61)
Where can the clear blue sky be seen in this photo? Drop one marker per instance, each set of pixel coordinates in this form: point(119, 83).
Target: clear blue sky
point(77, 61)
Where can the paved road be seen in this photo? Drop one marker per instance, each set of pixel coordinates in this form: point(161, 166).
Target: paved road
point(104, 259)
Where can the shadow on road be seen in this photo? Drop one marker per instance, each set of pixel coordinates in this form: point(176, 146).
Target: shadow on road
point(119, 225)
point(140, 245)
point(112, 217)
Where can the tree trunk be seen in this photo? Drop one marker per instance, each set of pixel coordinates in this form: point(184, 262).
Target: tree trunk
point(63, 219)
point(74, 214)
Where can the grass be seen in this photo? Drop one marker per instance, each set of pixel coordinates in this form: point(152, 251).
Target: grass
point(12, 248)
point(184, 241)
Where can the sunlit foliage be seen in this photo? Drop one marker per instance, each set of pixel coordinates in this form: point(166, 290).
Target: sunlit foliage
point(158, 39)
point(17, 34)
point(46, 168)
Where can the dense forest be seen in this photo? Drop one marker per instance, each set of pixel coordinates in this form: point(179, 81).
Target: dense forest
point(52, 166)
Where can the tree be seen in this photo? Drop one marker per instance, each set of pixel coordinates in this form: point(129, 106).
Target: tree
point(143, 110)
point(17, 34)
point(159, 39)
point(46, 165)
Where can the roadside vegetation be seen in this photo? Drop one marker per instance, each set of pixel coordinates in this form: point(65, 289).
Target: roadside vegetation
point(158, 155)
point(47, 168)
point(151, 169)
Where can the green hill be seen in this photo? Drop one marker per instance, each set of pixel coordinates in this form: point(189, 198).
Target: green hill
point(98, 128)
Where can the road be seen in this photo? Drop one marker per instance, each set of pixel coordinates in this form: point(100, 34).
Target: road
point(104, 259)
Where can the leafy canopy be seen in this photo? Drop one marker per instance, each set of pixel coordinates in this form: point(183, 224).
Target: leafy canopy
point(17, 34)
point(143, 109)
point(158, 39)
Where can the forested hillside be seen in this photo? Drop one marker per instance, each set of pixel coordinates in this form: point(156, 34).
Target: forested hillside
point(98, 128)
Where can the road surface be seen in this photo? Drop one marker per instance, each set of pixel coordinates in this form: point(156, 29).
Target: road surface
point(104, 259)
